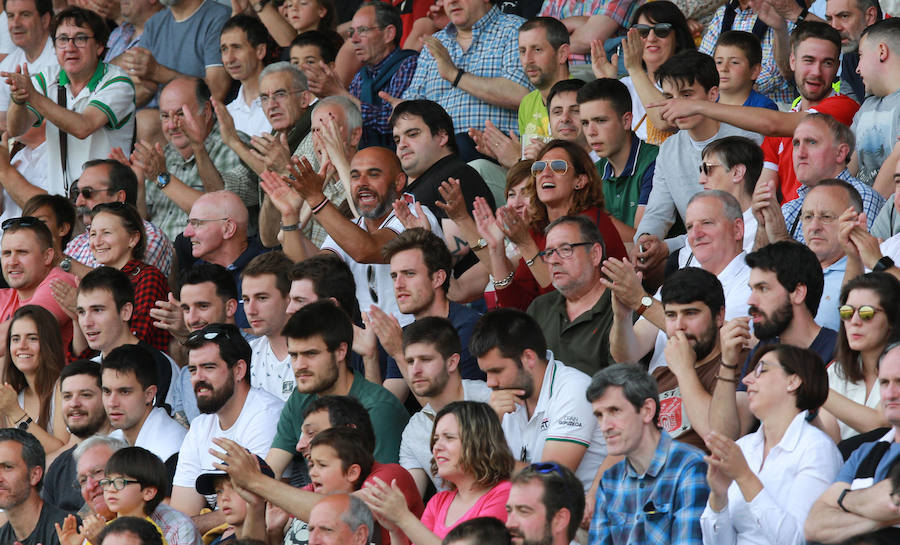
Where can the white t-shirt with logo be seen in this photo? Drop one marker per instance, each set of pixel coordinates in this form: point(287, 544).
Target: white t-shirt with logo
point(268, 372)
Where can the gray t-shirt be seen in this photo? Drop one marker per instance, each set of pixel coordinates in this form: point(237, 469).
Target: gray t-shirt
point(189, 46)
point(677, 179)
point(876, 126)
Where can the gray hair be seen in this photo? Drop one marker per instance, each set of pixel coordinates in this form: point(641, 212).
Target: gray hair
point(730, 205)
point(298, 78)
point(840, 133)
point(112, 443)
point(637, 385)
point(586, 228)
point(352, 115)
point(357, 515)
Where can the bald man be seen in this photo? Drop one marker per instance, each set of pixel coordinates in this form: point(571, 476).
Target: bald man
point(217, 230)
point(376, 182)
point(340, 519)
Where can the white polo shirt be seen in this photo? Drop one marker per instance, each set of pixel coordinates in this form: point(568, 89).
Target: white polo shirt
point(268, 372)
point(160, 434)
point(563, 414)
point(415, 446)
point(249, 119)
point(46, 59)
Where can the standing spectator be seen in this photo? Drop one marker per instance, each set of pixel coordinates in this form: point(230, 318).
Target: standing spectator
point(135, 15)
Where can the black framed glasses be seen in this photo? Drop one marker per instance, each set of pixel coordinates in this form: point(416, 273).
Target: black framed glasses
point(22, 221)
point(564, 251)
point(80, 41)
point(87, 192)
point(660, 29)
point(706, 168)
point(119, 483)
point(212, 332)
point(558, 166)
point(846, 312)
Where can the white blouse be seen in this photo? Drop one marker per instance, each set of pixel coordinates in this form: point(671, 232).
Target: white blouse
point(796, 472)
point(854, 391)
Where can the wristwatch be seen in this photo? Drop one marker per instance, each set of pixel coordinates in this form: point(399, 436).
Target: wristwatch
point(66, 264)
point(883, 264)
point(23, 424)
point(163, 180)
point(481, 244)
point(646, 302)
point(259, 6)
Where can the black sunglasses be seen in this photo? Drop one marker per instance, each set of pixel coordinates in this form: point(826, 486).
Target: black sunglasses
point(660, 29)
point(87, 192)
point(23, 221)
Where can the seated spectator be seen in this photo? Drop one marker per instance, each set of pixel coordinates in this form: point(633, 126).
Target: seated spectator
point(343, 517)
point(133, 529)
point(23, 171)
point(27, 263)
point(324, 276)
point(868, 320)
point(319, 337)
point(471, 459)
point(523, 374)
point(30, 377)
point(91, 457)
point(128, 33)
point(229, 500)
point(479, 530)
point(244, 48)
point(626, 162)
point(118, 240)
point(887, 222)
point(104, 306)
point(29, 518)
point(747, 479)
point(732, 164)
point(134, 466)
point(626, 403)
point(29, 31)
point(97, 118)
point(432, 353)
point(84, 416)
point(312, 47)
point(466, 68)
point(219, 365)
point(108, 181)
point(544, 501)
point(577, 316)
point(58, 213)
point(860, 500)
point(129, 391)
point(738, 56)
point(266, 293)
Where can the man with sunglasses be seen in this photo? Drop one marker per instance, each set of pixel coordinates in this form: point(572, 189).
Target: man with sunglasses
point(88, 105)
point(545, 505)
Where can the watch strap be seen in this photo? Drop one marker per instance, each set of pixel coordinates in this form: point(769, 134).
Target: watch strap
point(883, 264)
point(840, 500)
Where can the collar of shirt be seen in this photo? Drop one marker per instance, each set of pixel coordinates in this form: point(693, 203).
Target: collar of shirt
point(375, 68)
point(789, 441)
point(838, 266)
point(174, 159)
point(658, 463)
point(487, 19)
point(99, 72)
point(546, 386)
point(630, 165)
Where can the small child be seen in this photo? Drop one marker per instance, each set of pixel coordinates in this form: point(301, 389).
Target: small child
point(228, 501)
point(738, 58)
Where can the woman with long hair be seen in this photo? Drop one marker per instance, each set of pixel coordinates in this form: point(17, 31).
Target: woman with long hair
point(869, 313)
point(29, 394)
point(471, 457)
point(763, 485)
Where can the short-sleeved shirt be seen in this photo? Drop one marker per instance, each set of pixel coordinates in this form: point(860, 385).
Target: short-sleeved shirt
point(268, 372)
point(120, 39)
point(623, 194)
point(848, 471)
point(111, 91)
point(673, 415)
point(42, 297)
point(46, 59)
point(44, 532)
point(759, 100)
point(253, 430)
point(159, 251)
point(425, 187)
point(415, 447)
point(876, 126)
point(620, 11)
point(387, 414)
point(492, 54)
point(160, 434)
point(534, 120)
point(189, 46)
point(827, 315)
point(562, 414)
point(58, 479)
point(491, 504)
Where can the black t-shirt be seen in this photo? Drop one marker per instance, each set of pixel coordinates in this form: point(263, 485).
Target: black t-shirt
point(425, 187)
point(59, 484)
point(44, 532)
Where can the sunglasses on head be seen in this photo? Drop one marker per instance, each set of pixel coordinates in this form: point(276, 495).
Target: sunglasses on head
point(660, 29)
point(211, 332)
point(866, 312)
point(558, 166)
point(23, 221)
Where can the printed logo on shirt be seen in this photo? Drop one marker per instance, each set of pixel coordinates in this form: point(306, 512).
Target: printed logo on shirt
point(545, 424)
point(570, 421)
point(671, 413)
point(287, 387)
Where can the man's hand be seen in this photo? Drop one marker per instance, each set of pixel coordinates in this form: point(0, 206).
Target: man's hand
point(192, 128)
point(438, 14)
point(238, 462)
point(104, 8)
point(140, 62)
point(764, 201)
point(168, 316)
point(307, 181)
point(64, 294)
point(407, 218)
point(866, 244)
point(149, 158)
point(454, 202)
point(600, 65)
point(4, 152)
point(365, 342)
point(676, 108)
point(680, 355)
point(533, 149)
point(504, 400)
point(240, 6)
point(388, 331)
point(651, 253)
point(286, 200)
point(786, 9)
point(272, 151)
point(735, 338)
point(507, 149)
point(21, 89)
point(226, 124)
point(481, 144)
point(767, 13)
point(624, 283)
point(323, 81)
point(392, 100)
point(446, 69)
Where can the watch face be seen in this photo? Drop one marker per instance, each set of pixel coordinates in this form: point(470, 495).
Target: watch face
point(646, 301)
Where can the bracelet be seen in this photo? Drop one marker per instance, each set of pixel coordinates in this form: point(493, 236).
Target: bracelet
point(530, 262)
point(726, 379)
point(23, 417)
point(293, 227)
point(459, 76)
point(802, 17)
point(318, 208)
point(726, 366)
point(505, 282)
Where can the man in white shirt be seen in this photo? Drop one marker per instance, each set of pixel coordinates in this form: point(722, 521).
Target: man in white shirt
point(129, 387)
point(266, 286)
point(243, 46)
point(219, 361)
point(29, 28)
point(540, 401)
point(432, 352)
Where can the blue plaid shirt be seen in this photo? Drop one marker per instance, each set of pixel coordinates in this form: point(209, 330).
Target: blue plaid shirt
point(662, 506)
point(493, 53)
point(872, 203)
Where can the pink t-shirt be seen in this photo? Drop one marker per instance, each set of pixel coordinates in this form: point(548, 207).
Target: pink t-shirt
point(491, 504)
point(42, 297)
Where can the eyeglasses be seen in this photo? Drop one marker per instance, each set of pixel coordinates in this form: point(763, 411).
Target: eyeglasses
point(278, 96)
point(558, 166)
point(706, 168)
point(761, 368)
point(196, 222)
point(361, 30)
point(80, 41)
point(866, 312)
point(87, 192)
point(211, 333)
point(23, 221)
point(564, 251)
point(119, 483)
point(95, 475)
point(826, 219)
point(370, 276)
point(660, 29)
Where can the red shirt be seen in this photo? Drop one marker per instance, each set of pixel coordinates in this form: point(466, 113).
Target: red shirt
point(778, 151)
point(42, 297)
point(150, 286)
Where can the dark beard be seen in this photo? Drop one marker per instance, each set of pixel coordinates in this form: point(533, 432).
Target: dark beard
point(705, 344)
point(217, 400)
point(89, 428)
point(772, 327)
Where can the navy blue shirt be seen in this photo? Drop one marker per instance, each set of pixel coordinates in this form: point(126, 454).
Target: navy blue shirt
point(823, 345)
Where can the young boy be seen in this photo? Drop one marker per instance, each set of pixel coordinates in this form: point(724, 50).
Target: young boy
point(738, 58)
point(135, 483)
point(233, 507)
point(312, 48)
